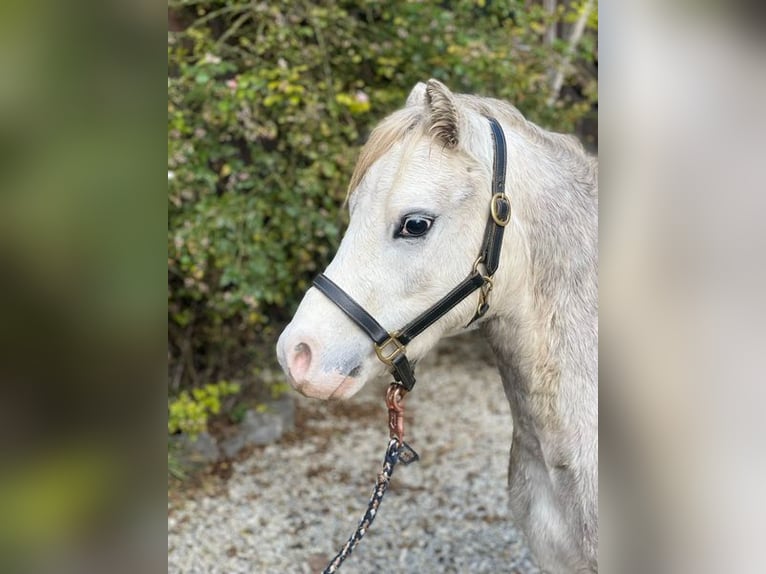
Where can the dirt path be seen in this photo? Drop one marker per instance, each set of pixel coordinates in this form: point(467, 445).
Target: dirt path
point(288, 507)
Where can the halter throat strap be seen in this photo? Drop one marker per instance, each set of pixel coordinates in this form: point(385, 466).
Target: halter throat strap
point(391, 347)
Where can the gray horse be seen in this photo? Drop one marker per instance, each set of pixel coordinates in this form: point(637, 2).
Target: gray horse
point(418, 200)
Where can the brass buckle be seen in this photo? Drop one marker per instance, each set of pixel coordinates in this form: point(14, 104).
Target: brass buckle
point(494, 211)
point(382, 349)
point(486, 287)
point(481, 306)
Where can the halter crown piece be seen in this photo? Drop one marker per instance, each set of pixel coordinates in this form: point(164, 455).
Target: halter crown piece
point(391, 348)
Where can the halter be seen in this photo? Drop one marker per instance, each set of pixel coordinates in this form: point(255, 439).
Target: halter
point(391, 348)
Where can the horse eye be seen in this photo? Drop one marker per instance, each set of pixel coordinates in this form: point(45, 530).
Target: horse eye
point(414, 226)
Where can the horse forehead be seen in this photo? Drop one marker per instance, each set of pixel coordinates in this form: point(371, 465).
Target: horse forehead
point(402, 157)
point(408, 168)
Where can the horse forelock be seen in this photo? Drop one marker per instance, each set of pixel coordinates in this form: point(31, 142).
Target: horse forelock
point(388, 132)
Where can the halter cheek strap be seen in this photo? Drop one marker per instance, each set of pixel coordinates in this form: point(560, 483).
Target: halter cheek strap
point(391, 347)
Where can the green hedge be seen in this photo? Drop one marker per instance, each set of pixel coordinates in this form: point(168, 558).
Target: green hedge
point(267, 105)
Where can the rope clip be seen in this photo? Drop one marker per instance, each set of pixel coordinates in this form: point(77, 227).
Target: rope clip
point(394, 397)
point(394, 402)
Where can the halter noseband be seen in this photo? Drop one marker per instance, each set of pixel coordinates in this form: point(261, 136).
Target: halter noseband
point(391, 348)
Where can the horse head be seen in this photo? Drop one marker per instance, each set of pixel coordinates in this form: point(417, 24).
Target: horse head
point(418, 202)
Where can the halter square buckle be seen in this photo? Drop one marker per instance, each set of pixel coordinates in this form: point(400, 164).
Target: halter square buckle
point(386, 353)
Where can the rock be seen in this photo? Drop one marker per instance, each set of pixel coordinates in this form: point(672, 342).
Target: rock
point(260, 428)
point(202, 450)
point(232, 445)
point(285, 408)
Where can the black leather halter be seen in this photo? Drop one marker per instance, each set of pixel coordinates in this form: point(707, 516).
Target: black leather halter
point(391, 348)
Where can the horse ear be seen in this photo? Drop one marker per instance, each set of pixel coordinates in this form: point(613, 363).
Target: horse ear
point(443, 113)
point(417, 95)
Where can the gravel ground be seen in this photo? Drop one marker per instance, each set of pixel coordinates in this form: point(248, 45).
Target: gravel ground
point(288, 507)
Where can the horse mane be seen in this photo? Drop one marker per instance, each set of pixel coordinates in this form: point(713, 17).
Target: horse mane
point(403, 122)
point(506, 113)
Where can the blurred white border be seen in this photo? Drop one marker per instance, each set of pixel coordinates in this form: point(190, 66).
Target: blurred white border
point(682, 91)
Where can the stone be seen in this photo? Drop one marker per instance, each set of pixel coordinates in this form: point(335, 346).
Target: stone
point(202, 450)
point(261, 428)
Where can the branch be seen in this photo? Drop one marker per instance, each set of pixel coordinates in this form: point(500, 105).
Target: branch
point(574, 38)
point(550, 30)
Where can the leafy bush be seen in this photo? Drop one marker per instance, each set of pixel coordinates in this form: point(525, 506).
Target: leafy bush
point(189, 412)
point(267, 105)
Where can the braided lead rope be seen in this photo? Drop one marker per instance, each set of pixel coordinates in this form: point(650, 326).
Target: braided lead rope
point(381, 485)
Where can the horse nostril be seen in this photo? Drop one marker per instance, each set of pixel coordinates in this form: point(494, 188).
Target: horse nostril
point(355, 371)
point(300, 361)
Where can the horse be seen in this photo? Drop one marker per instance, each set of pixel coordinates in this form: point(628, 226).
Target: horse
point(418, 207)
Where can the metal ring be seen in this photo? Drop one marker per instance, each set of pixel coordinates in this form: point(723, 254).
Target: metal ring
point(495, 212)
point(479, 261)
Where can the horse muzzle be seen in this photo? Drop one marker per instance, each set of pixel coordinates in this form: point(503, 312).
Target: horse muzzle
point(316, 371)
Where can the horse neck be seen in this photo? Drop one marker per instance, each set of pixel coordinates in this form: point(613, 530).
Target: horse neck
point(545, 327)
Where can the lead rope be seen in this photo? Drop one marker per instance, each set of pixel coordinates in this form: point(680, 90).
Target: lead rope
point(397, 451)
